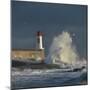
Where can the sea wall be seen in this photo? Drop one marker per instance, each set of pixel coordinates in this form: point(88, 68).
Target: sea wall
point(31, 54)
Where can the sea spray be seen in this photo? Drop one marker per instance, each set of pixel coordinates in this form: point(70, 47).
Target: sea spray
point(63, 52)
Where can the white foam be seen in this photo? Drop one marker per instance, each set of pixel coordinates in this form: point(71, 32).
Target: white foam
point(64, 53)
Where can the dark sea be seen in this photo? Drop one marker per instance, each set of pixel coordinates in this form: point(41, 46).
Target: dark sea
point(39, 78)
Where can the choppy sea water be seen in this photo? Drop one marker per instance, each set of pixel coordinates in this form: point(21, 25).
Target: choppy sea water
point(35, 78)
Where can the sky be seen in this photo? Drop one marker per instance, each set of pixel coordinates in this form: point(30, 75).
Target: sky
point(29, 17)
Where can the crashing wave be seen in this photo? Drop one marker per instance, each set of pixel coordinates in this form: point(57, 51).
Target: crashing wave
point(63, 52)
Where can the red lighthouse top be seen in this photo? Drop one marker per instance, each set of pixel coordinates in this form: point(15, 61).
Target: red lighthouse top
point(39, 33)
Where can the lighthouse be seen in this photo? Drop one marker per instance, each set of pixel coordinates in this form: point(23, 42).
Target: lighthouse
point(36, 55)
point(39, 40)
point(39, 46)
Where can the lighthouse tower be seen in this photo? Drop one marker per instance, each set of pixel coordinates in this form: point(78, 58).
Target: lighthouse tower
point(39, 46)
point(40, 40)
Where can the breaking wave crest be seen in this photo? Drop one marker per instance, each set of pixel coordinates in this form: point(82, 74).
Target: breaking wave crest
point(63, 52)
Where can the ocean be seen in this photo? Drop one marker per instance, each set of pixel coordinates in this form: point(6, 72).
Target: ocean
point(39, 78)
